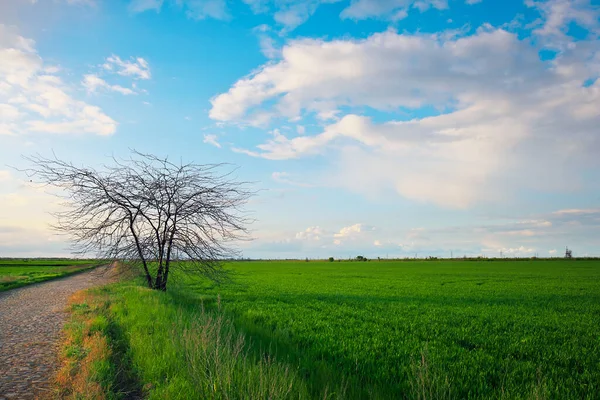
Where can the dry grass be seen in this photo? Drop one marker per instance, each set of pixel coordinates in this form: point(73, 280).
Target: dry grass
point(11, 278)
point(85, 351)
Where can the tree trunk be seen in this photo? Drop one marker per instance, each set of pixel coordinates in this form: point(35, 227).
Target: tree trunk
point(165, 278)
point(158, 283)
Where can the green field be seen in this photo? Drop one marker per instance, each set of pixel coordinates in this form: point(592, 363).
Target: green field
point(388, 329)
point(20, 272)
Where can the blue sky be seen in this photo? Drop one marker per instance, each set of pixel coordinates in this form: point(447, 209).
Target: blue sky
point(375, 127)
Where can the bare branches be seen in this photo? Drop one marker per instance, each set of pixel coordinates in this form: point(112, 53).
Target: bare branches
point(150, 211)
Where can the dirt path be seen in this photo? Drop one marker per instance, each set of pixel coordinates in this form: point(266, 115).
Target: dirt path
point(31, 319)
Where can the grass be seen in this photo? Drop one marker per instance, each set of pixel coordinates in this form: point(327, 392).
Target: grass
point(94, 363)
point(17, 273)
point(389, 329)
point(125, 341)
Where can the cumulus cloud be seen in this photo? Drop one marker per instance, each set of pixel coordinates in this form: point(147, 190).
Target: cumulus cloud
point(523, 236)
point(501, 119)
point(347, 231)
point(310, 233)
point(33, 98)
point(375, 72)
point(353, 233)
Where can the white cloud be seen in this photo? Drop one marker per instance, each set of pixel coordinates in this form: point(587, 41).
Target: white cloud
point(388, 9)
point(114, 67)
point(552, 252)
point(212, 140)
point(375, 72)
point(138, 68)
point(268, 41)
point(92, 83)
point(504, 113)
point(291, 13)
point(353, 231)
point(311, 233)
point(489, 237)
point(194, 9)
point(34, 98)
point(517, 251)
point(202, 9)
point(357, 234)
point(268, 47)
point(577, 211)
point(287, 13)
point(471, 2)
point(9, 112)
point(558, 14)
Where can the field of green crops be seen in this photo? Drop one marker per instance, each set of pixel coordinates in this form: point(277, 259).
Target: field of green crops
point(460, 329)
point(436, 329)
point(20, 272)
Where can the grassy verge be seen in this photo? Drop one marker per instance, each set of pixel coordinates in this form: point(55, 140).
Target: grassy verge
point(94, 359)
point(125, 341)
point(13, 275)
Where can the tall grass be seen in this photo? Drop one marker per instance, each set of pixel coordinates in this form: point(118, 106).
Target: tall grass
point(174, 351)
point(427, 380)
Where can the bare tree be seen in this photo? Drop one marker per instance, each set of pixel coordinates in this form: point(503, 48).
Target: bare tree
point(149, 212)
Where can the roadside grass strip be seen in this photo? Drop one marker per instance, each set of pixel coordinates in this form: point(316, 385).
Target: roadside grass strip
point(15, 274)
point(125, 341)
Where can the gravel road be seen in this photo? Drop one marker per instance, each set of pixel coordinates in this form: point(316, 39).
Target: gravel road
point(31, 319)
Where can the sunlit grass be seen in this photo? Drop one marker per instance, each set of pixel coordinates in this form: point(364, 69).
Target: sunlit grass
point(173, 349)
point(489, 329)
point(350, 330)
point(17, 273)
